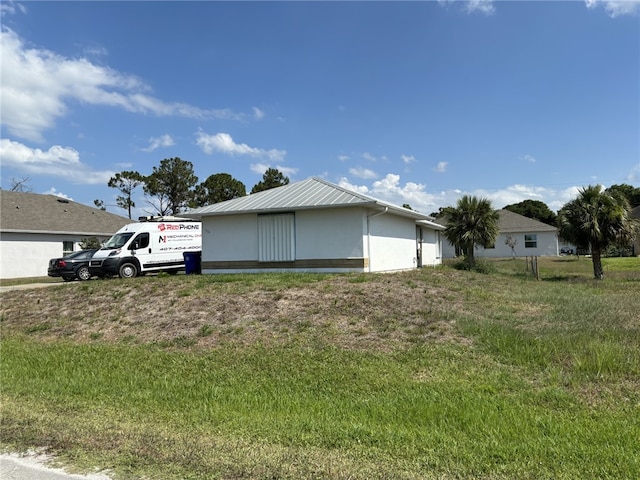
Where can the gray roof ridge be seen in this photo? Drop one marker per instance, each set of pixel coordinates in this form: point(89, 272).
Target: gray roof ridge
point(359, 195)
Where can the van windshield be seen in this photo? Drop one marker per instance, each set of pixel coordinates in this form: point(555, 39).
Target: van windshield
point(117, 241)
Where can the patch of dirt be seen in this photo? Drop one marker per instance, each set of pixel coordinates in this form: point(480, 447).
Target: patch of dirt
point(379, 312)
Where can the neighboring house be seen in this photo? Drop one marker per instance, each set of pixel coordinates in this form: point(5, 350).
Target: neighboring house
point(314, 225)
point(529, 238)
point(35, 228)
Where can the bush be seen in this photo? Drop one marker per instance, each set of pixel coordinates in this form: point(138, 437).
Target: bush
point(480, 266)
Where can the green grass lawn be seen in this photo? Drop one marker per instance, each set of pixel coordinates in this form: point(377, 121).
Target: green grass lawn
point(495, 375)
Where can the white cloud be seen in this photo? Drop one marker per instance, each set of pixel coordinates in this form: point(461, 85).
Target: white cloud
point(224, 143)
point(343, 158)
point(528, 158)
point(634, 174)
point(471, 6)
point(53, 191)
point(257, 113)
point(408, 159)
point(260, 168)
point(96, 51)
point(512, 194)
point(11, 8)
point(554, 199)
point(391, 190)
point(482, 6)
point(165, 140)
point(364, 173)
point(616, 8)
point(441, 167)
point(57, 161)
point(344, 183)
point(288, 171)
point(367, 156)
point(37, 84)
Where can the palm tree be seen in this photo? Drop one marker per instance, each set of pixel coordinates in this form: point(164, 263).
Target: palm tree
point(595, 220)
point(471, 223)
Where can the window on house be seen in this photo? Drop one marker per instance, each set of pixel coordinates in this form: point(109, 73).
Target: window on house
point(67, 248)
point(531, 241)
point(276, 238)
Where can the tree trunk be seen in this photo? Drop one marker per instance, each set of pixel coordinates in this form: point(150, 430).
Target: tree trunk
point(596, 258)
point(471, 259)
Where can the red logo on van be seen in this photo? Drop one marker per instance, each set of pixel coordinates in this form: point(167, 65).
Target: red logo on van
point(167, 226)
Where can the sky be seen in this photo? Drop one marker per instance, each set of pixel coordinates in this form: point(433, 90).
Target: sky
point(416, 102)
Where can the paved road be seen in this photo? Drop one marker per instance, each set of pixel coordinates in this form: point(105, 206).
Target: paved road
point(34, 467)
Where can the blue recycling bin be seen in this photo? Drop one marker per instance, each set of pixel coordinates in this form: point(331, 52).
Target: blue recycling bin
point(192, 262)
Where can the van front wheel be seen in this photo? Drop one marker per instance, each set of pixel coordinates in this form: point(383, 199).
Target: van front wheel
point(128, 270)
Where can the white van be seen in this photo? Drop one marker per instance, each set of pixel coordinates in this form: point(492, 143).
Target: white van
point(155, 244)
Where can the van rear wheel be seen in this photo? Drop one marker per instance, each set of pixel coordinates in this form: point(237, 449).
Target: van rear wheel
point(128, 270)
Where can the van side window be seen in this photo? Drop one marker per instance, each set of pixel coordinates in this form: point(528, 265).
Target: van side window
point(141, 241)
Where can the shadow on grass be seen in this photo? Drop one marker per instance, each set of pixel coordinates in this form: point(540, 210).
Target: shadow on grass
point(564, 278)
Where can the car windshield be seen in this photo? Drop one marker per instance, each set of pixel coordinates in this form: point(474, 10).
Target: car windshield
point(117, 241)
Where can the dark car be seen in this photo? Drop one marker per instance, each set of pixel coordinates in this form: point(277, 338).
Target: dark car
point(72, 266)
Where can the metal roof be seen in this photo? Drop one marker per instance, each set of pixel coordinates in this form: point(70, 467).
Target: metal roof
point(35, 213)
point(312, 193)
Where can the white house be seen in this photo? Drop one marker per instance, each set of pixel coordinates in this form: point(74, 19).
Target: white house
point(35, 228)
point(519, 236)
point(316, 226)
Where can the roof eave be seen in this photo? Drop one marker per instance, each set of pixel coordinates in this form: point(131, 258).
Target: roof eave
point(379, 206)
point(56, 232)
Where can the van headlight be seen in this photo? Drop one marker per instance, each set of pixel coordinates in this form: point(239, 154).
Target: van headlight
point(115, 252)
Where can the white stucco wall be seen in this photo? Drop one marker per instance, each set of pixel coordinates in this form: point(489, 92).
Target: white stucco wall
point(547, 245)
point(233, 237)
point(322, 234)
point(392, 243)
point(387, 241)
point(25, 255)
point(319, 234)
point(330, 233)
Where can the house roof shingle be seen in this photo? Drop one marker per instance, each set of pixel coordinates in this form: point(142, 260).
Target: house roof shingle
point(35, 213)
point(511, 222)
